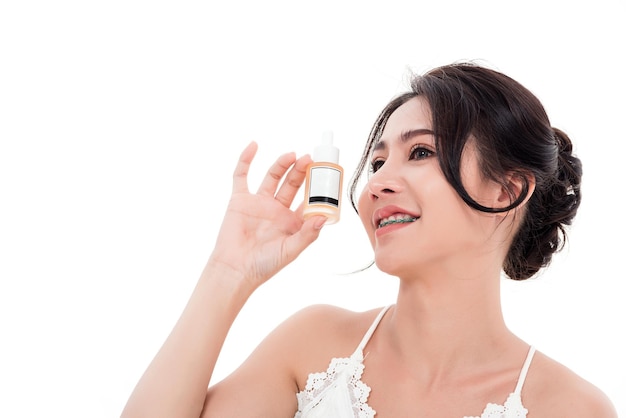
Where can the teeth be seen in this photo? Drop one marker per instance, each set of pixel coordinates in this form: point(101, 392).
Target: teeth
point(396, 219)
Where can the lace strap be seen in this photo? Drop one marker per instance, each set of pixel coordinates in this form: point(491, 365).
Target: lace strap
point(522, 375)
point(370, 331)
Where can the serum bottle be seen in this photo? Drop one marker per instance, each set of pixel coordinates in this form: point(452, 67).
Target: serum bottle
point(324, 178)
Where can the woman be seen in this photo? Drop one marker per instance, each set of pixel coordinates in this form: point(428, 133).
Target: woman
point(466, 179)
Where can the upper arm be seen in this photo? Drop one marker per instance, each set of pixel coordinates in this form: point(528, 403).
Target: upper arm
point(265, 385)
point(592, 402)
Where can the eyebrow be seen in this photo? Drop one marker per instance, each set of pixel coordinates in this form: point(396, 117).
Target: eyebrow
point(404, 137)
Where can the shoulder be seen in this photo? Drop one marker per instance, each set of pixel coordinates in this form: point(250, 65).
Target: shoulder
point(326, 318)
point(552, 389)
point(315, 331)
point(326, 325)
point(316, 334)
point(279, 366)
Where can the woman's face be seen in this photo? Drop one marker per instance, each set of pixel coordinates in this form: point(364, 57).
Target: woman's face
point(412, 215)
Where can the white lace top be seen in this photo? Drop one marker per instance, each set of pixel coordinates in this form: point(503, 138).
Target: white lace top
point(340, 393)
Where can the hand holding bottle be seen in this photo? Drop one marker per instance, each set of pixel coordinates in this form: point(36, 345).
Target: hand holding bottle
point(260, 234)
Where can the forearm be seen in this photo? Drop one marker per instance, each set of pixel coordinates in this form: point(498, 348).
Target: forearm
point(176, 381)
point(259, 235)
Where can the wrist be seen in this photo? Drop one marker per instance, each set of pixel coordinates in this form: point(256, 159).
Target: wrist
point(229, 278)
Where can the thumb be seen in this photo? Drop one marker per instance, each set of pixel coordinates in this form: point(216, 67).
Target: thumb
point(307, 234)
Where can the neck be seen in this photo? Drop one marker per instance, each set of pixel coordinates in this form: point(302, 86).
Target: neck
point(448, 324)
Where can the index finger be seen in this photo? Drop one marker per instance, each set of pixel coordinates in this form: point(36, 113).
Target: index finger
point(293, 181)
point(240, 175)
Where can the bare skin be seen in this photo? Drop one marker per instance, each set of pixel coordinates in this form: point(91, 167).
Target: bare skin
point(258, 237)
point(443, 350)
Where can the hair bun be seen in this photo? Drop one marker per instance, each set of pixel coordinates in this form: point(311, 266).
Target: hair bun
point(568, 163)
point(555, 208)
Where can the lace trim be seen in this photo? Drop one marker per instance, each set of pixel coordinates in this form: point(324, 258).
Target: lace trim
point(352, 370)
point(512, 408)
point(317, 384)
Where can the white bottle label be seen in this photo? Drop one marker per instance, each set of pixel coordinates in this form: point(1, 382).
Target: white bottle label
point(324, 186)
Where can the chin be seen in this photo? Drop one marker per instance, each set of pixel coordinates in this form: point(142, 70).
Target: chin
point(393, 266)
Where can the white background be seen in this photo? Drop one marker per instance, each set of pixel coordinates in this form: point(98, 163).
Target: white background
point(120, 123)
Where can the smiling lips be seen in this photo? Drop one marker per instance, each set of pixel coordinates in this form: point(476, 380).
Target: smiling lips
point(399, 218)
point(392, 215)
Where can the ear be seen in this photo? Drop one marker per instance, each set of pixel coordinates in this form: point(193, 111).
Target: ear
point(514, 185)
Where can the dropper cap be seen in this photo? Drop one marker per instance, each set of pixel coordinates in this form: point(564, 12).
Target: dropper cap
point(326, 151)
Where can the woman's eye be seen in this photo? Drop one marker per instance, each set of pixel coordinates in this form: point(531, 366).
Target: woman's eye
point(375, 165)
point(420, 153)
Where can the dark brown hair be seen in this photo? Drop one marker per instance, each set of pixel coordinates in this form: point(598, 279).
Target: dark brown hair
point(514, 137)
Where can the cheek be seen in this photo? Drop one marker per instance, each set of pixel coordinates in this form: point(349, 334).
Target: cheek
point(364, 206)
point(447, 210)
point(440, 195)
point(460, 224)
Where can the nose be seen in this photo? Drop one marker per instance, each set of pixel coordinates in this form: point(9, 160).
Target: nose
point(385, 182)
